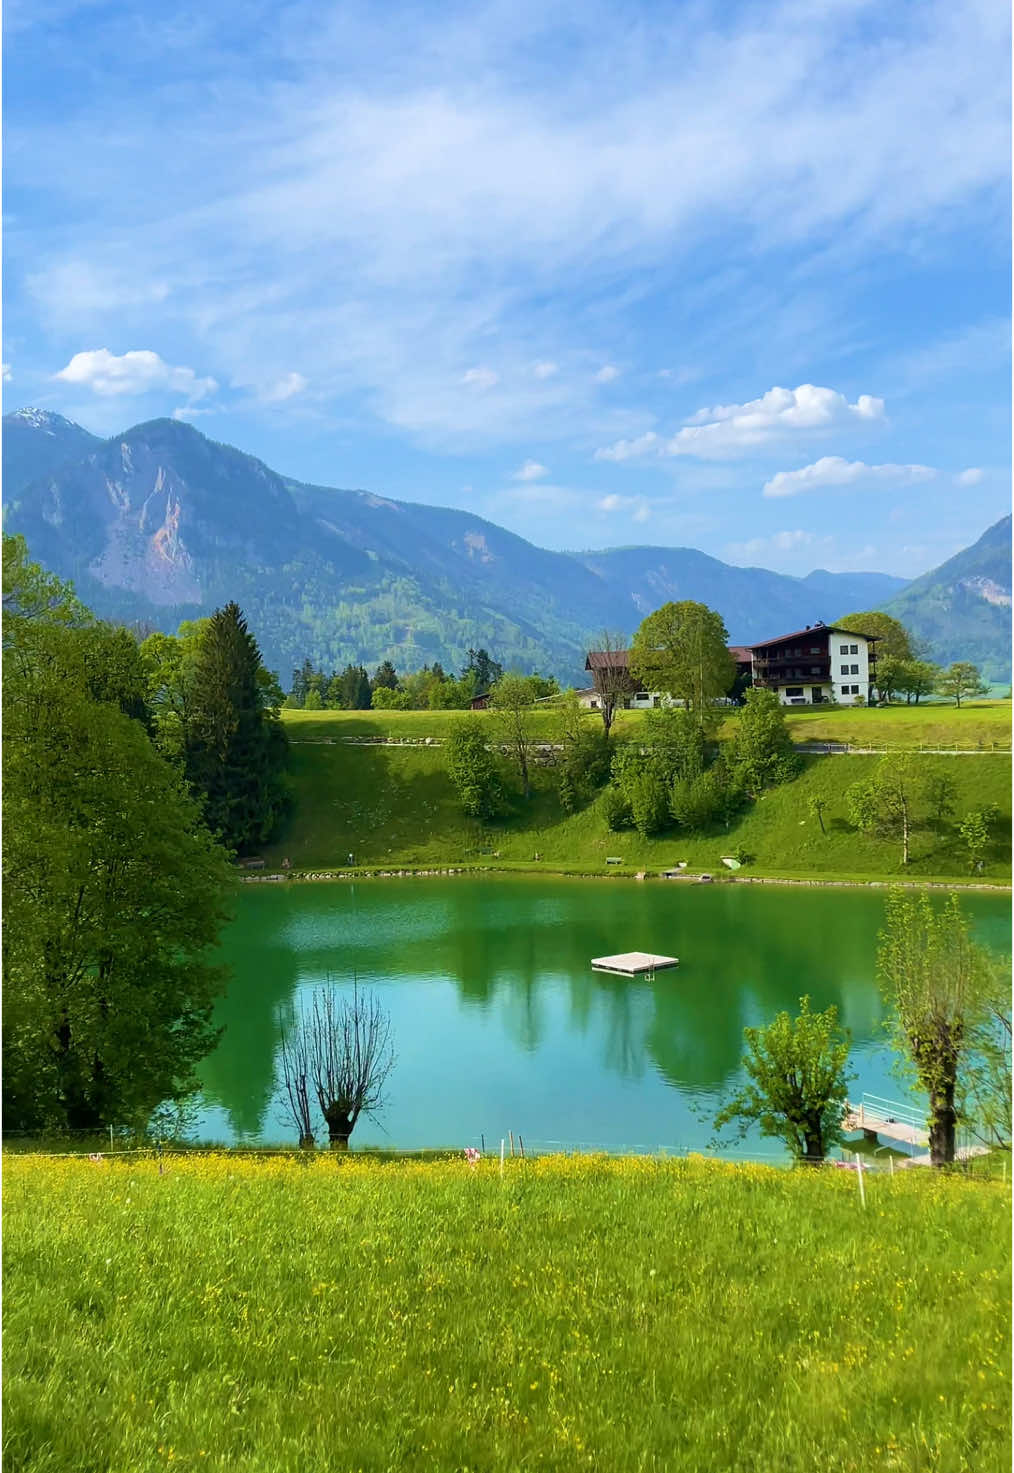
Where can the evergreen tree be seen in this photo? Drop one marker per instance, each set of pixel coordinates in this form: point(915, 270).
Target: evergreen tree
point(236, 749)
point(386, 677)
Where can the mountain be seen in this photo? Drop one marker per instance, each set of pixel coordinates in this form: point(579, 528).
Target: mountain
point(962, 610)
point(160, 524)
point(36, 442)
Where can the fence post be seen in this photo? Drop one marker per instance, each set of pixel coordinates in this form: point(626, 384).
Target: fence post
point(859, 1173)
point(502, 1145)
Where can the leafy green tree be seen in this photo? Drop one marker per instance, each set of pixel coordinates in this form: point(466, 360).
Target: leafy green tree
point(681, 650)
point(611, 676)
point(236, 750)
point(385, 677)
point(670, 756)
point(936, 983)
point(584, 754)
point(473, 769)
point(962, 681)
point(918, 678)
point(976, 829)
point(984, 1091)
point(383, 699)
point(816, 806)
point(888, 801)
point(797, 1089)
point(512, 700)
point(113, 887)
point(763, 751)
point(940, 793)
point(313, 701)
point(890, 675)
point(893, 639)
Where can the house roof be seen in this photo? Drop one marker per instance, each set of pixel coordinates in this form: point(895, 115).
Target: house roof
point(607, 659)
point(813, 629)
point(741, 653)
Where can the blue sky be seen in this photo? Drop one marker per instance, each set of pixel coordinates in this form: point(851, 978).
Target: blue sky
point(725, 276)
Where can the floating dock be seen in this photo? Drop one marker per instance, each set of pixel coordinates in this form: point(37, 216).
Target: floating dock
point(633, 963)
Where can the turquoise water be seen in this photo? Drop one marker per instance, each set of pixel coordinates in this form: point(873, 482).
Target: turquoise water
point(500, 1024)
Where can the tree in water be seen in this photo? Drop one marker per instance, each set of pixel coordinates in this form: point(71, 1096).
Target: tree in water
point(341, 1049)
point(236, 748)
point(938, 985)
point(798, 1083)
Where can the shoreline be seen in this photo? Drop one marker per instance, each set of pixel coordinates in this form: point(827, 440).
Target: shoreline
point(1001, 887)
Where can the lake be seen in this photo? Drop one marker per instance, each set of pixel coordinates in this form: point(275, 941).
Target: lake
point(500, 1024)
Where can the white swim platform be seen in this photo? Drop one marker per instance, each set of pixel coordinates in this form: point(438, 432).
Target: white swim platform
point(631, 963)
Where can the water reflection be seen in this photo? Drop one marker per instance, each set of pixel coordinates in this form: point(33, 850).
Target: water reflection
point(497, 1014)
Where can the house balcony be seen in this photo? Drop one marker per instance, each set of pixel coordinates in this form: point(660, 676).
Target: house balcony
point(777, 672)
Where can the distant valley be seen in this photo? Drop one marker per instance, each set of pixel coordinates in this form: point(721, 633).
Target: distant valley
point(161, 524)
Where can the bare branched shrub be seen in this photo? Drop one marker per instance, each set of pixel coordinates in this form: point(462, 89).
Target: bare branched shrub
point(340, 1050)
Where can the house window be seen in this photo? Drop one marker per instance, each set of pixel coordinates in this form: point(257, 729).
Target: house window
point(854, 670)
point(844, 670)
point(814, 669)
point(793, 690)
point(853, 649)
point(815, 649)
point(843, 649)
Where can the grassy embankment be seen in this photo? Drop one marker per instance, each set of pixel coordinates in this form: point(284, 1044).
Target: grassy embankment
point(267, 1316)
point(393, 806)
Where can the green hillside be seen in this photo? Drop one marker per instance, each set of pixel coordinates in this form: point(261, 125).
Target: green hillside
point(392, 805)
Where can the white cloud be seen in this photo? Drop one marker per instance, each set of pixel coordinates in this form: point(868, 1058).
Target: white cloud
point(480, 378)
point(545, 370)
point(645, 444)
point(610, 503)
point(971, 477)
point(639, 510)
point(5, 372)
point(286, 388)
point(727, 431)
point(138, 372)
point(774, 547)
point(642, 514)
point(607, 373)
point(530, 471)
point(832, 470)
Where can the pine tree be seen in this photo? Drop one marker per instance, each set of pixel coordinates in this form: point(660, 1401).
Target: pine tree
point(236, 749)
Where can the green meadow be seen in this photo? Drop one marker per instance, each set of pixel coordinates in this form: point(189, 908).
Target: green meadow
point(270, 1316)
point(392, 805)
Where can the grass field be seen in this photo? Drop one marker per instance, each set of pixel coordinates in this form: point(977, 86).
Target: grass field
point(265, 1316)
point(395, 806)
point(984, 723)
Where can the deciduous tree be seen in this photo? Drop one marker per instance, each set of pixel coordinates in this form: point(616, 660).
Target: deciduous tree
point(887, 801)
point(797, 1089)
point(340, 1048)
point(682, 650)
point(937, 984)
point(962, 681)
point(893, 639)
point(762, 752)
point(513, 700)
point(473, 769)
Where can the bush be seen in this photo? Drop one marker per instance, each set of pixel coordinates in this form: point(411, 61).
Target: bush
point(617, 809)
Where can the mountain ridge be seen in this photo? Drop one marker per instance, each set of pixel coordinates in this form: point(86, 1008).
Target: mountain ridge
point(161, 523)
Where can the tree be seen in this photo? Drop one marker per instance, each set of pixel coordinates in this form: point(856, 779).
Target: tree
point(341, 1049)
point(984, 1096)
point(385, 677)
point(353, 689)
point(611, 676)
point(798, 1083)
point(114, 890)
point(918, 678)
point(512, 700)
point(890, 675)
point(682, 650)
point(584, 754)
point(962, 680)
point(763, 751)
point(655, 776)
point(472, 769)
point(893, 639)
point(486, 670)
point(976, 828)
point(940, 793)
point(816, 806)
point(936, 983)
point(887, 801)
point(236, 748)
